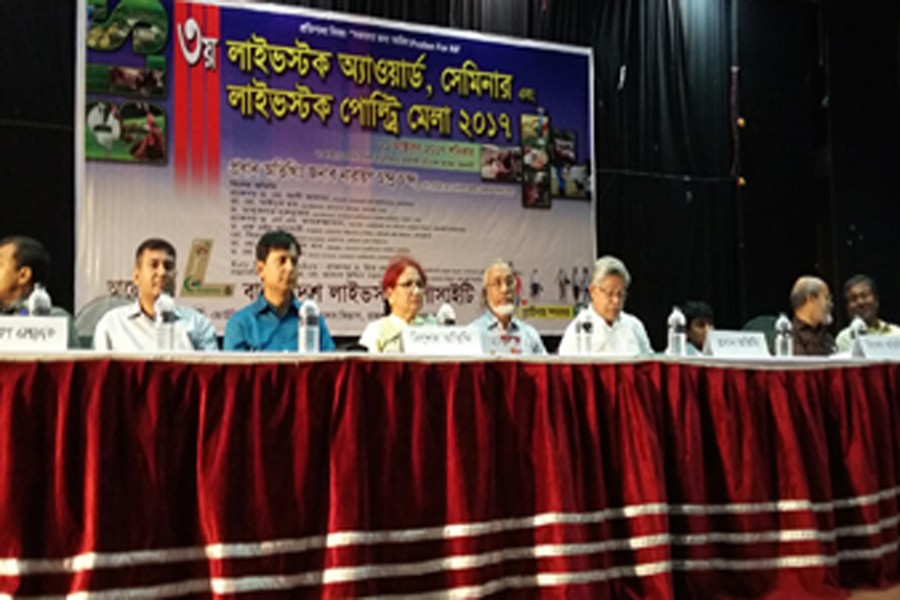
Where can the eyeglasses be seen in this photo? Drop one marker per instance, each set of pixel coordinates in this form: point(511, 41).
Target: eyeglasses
point(612, 294)
point(407, 285)
point(499, 282)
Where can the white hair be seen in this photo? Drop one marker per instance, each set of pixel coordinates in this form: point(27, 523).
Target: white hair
point(496, 263)
point(610, 265)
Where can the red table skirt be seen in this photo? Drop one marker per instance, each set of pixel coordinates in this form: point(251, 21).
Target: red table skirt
point(130, 478)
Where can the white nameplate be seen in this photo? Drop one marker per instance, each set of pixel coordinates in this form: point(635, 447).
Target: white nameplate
point(34, 334)
point(736, 344)
point(437, 340)
point(877, 346)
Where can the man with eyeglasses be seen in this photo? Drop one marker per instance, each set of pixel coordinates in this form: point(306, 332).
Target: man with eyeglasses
point(604, 325)
point(861, 296)
point(501, 332)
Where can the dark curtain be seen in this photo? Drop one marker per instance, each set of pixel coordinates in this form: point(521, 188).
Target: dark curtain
point(37, 135)
point(666, 161)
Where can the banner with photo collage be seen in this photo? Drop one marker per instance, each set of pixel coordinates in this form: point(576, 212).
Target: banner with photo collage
point(209, 123)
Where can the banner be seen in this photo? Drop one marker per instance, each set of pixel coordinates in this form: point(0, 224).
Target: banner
point(209, 123)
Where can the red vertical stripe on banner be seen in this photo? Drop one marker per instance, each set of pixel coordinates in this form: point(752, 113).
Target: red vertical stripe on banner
point(212, 103)
point(178, 128)
point(198, 107)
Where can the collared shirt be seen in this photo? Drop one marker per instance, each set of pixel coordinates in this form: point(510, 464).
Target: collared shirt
point(385, 334)
point(845, 337)
point(20, 308)
point(811, 340)
point(626, 336)
point(518, 338)
point(258, 327)
point(129, 329)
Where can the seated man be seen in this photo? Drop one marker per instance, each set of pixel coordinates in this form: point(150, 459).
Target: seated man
point(25, 263)
point(861, 296)
point(133, 327)
point(699, 318)
point(270, 322)
point(612, 330)
point(502, 332)
point(811, 302)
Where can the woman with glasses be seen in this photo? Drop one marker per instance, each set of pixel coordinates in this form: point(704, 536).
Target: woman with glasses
point(403, 285)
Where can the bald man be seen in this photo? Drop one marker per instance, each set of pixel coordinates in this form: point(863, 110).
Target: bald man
point(812, 305)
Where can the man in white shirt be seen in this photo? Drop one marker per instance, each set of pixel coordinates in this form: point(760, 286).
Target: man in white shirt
point(133, 328)
point(501, 331)
point(604, 327)
point(861, 296)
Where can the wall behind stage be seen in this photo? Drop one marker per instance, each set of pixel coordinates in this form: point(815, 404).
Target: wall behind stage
point(811, 172)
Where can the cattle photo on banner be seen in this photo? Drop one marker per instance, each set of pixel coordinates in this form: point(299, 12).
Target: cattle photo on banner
point(208, 124)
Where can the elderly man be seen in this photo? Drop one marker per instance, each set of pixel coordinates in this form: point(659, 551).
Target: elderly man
point(503, 333)
point(811, 302)
point(24, 263)
point(861, 296)
point(133, 327)
point(609, 329)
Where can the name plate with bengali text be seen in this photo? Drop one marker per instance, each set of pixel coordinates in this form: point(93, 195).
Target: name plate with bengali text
point(877, 346)
point(34, 334)
point(736, 344)
point(437, 340)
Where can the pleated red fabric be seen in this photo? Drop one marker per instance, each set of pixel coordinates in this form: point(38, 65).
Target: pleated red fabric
point(355, 477)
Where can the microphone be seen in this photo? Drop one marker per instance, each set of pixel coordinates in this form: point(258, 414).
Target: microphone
point(446, 315)
point(583, 329)
point(165, 308)
point(858, 327)
point(39, 303)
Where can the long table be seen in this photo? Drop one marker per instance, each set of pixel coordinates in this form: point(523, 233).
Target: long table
point(270, 476)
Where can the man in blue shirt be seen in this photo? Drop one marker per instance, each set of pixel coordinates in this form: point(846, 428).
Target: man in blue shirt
point(270, 322)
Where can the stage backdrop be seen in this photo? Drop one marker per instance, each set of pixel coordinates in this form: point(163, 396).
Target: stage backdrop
point(209, 123)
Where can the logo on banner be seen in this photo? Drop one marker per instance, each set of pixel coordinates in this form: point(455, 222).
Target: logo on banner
point(190, 35)
point(195, 273)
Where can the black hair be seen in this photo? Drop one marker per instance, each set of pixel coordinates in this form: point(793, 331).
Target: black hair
point(30, 253)
point(697, 309)
point(154, 244)
point(279, 239)
point(860, 278)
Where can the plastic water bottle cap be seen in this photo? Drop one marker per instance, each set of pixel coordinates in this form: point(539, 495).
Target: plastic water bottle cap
point(858, 325)
point(165, 308)
point(676, 318)
point(39, 303)
point(446, 315)
point(782, 324)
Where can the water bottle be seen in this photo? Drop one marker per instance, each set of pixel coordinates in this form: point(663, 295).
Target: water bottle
point(858, 327)
point(165, 322)
point(784, 340)
point(677, 335)
point(584, 327)
point(39, 303)
point(308, 328)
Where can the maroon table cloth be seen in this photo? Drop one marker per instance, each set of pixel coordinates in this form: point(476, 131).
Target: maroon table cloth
point(348, 476)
